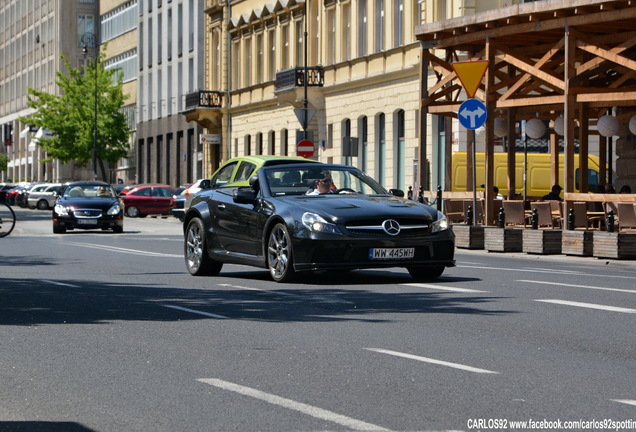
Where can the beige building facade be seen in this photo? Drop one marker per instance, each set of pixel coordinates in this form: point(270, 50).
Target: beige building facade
point(363, 83)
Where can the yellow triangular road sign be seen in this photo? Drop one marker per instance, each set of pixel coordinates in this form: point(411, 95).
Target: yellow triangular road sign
point(471, 73)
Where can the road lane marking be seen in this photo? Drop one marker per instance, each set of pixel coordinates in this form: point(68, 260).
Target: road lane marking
point(433, 361)
point(60, 283)
point(625, 401)
point(310, 410)
point(579, 286)
point(552, 272)
point(127, 251)
point(194, 311)
point(588, 305)
point(444, 288)
point(322, 299)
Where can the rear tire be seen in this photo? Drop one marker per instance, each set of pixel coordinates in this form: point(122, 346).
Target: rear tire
point(195, 251)
point(426, 273)
point(280, 255)
point(43, 205)
point(132, 211)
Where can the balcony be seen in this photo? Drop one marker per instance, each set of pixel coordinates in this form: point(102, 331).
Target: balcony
point(203, 99)
point(291, 78)
point(203, 107)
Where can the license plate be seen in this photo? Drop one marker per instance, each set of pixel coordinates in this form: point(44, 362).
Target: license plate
point(87, 221)
point(391, 253)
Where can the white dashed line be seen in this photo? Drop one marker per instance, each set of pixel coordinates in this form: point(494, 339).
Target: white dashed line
point(625, 401)
point(433, 361)
point(313, 411)
point(444, 288)
point(194, 311)
point(60, 283)
point(579, 286)
point(588, 305)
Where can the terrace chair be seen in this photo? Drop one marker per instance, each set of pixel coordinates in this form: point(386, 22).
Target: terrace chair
point(454, 210)
point(544, 211)
point(580, 215)
point(626, 215)
point(515, 212)
point(557, 212)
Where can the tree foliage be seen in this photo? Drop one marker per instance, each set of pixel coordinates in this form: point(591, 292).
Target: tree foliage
point(71, 116)
point(4, 162)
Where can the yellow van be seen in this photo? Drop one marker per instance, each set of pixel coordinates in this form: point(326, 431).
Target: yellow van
point(538, 184)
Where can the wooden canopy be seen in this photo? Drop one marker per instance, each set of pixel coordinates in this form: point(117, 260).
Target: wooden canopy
point(575, 58)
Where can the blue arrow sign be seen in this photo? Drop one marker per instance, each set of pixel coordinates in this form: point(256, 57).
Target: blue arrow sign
point(472, 114)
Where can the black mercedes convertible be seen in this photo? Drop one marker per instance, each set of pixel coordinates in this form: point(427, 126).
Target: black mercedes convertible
point(307, 217)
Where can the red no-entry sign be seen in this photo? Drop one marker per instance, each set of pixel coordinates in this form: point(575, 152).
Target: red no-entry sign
point(305, 148)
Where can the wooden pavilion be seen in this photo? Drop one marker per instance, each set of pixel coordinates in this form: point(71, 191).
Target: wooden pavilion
point(575, 58)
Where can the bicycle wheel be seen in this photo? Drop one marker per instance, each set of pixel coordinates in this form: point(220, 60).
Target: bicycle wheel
point(7, 220)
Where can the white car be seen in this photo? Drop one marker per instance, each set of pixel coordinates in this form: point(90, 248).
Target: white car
point(43, 196)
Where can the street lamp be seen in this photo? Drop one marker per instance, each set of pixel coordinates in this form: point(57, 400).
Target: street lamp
point(90, 41)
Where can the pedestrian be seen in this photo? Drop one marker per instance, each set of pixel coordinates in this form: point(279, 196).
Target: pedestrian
point(554, 194)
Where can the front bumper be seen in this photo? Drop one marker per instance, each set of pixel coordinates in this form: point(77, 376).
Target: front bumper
point(348, 252)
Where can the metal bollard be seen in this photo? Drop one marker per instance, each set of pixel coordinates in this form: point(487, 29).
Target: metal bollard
point(439, 198)
point(469, 215)
point(571, 219)
point(610, 221)
point(535, 219)
point(501, 218)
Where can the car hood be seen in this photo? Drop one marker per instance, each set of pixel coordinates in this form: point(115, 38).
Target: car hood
point(340, 208)
point(101, 203)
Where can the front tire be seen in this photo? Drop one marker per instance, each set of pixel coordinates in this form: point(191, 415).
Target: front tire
point(280, 255)
point(426, 273)
point(58, 229)
point(195, 251)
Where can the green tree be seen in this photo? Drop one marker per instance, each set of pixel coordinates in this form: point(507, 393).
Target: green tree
point(4, 162)
point(71, 116)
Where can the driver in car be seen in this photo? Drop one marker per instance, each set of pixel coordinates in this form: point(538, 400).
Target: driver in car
point(323, 186)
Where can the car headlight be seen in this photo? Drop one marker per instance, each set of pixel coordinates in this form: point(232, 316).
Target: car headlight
point(114, 210)
point(441, 223)
point(60, 210)
point(317, 223)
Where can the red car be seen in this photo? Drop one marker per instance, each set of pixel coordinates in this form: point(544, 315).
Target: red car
point(143, 200)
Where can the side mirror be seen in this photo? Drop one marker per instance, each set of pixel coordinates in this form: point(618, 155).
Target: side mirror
point(254, 182)
point(245, 196)
point(397, 192)
point(206, 184)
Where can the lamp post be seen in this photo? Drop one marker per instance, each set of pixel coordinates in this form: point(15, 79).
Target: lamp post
point(90, 41)
point(305, 102)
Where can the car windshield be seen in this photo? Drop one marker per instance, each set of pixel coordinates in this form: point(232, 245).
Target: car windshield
point(89, 191)
point(295, 180)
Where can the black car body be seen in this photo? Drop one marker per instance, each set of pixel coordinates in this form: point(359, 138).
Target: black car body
point(79, 205)
point(274, 224)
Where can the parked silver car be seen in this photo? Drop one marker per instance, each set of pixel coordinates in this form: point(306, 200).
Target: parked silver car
point(43, 196)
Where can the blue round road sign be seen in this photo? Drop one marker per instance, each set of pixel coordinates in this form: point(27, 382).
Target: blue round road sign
point(472, 114)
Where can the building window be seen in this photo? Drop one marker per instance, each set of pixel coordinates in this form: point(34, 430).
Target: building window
point(346, 31)
point(379, 25)
point(271, 143)
point(247, 145)
point(398, 23)
point(285, 59)
point(331, 38)
point(362, 28)
point(272, 54)
point(85, 24)
point(236, 59)
point(284, 142)
point(363, 156)
point(400, 149)
point(380, 149)
point(259, 58)
point(300, 60)
point(259, 143)
point(247, 70)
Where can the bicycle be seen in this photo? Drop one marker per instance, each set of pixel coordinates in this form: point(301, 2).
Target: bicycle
point(7, 219)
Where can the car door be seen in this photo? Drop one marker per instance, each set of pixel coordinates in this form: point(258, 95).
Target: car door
point(140, 198)
point(161, 199)
point(237, 225)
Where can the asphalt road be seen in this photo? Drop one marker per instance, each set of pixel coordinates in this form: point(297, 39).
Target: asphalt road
point(108, 332)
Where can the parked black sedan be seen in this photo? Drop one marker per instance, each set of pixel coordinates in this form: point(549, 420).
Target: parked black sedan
point(88, 205)
point(304, 217)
